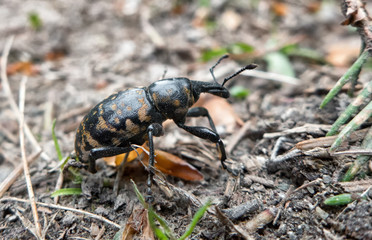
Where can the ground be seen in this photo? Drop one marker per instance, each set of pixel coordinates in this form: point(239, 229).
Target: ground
point(83, 51)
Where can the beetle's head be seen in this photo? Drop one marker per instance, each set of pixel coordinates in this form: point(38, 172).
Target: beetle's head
point(214, 87)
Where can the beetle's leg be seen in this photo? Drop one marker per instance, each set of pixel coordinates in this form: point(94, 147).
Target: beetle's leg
point(201, 112)
point(156, 130)
point(105, 152)
point(210, 135)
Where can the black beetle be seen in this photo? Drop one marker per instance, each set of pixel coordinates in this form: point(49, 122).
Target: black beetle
point(135, 115)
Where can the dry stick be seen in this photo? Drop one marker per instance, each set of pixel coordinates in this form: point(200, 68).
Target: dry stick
point(49, 205)
point(237, 137)
point(22, 93)
point(9, 94)
point(9, 180)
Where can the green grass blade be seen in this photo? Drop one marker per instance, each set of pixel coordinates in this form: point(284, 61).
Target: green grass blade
point(66, 191)
point(342, 199)
point(158, 232)
point(163, 223)
point(152, 216)
point(351, 74)
point(361, 160)
point(355, 123)
point(351, 109)
point(56, 145)
point(198, 215)
point(139, 195)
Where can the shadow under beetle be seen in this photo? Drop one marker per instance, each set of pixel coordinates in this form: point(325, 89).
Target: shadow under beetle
point(135, 115)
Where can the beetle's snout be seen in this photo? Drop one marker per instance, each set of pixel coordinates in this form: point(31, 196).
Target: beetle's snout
point(221, 92)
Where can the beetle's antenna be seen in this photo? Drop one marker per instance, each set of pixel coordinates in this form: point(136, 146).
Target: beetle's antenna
point(218, 62)
point(248, 67)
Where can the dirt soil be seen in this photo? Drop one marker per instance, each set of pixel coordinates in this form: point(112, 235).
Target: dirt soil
point(86, 50)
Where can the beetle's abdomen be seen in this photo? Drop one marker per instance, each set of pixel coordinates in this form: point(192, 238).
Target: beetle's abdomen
point(119, 120)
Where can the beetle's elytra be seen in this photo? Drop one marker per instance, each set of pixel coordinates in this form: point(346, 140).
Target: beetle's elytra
point(135, 115)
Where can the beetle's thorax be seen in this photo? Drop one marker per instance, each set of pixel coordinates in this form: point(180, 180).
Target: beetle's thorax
point(172, 97)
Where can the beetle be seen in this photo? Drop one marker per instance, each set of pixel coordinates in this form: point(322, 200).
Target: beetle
point(129, 118)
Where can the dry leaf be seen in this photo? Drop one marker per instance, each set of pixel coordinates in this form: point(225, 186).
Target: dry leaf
point(138, 226)
point(279, 8)
point(165, 162)
point(355, 12)
point(221, 112)
point(342, 54)
point(26, 68)
point(55, 54)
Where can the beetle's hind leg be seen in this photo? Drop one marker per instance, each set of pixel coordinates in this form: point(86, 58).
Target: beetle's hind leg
point(156, 130)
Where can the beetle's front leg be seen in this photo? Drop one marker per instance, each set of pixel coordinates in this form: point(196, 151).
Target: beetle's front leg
point(201, 112)
point(210, 135)
point(105, 152)
point(206, 133)
point(156, 130)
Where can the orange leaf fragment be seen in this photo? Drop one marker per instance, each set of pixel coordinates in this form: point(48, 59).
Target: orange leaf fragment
point(279, 8)
point(55, 54)
point(116, 160)
point(172, 165)
point(165, 162)
point(26, 68)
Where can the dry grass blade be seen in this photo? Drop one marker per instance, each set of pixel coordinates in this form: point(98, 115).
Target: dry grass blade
point(91, 215)
point(4, 186)
point(31, 195)
point(227, 222)
point(8, 93)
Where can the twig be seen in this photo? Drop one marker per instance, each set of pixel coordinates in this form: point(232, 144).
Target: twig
point(305, 185)
point(237, 137)
point(358, 151)
point(49, 205)
point(318, 129)
point(227, 222)
point(9, 180)
point(31, 195)
point(9, 94)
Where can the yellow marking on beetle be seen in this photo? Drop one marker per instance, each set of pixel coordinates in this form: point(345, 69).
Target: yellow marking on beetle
point(100, 107)
point(122, 104)
point(114, 106)
point(176, 103)
point(103, 125)
point(142, 113)
point(87, 138)
point(129, 108)
point(139, 92)
point(116, 141)
point(119, 112)
point(141, 100)
point(113, 97)
point(117, 120)
point(94, 113)
point(186, 90)
point(132, 127)
point(155, 97)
